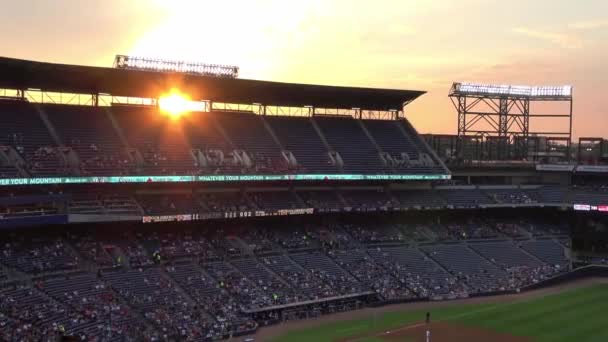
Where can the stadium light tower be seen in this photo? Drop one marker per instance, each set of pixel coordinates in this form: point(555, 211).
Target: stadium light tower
point(163, 65)
point(502, 113)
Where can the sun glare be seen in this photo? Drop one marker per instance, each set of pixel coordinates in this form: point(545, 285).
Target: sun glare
point(174, 104)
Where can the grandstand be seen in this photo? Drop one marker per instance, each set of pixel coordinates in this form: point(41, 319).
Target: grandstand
point(114, 142)
point(60, 147)
point(241, 215)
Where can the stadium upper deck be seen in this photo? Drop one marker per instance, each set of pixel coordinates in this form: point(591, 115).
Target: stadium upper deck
point(23, 74)
point(47, 142)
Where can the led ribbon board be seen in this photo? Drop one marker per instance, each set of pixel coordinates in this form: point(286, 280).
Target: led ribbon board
point(219, 215)
point(211, 178)
point(589, 207)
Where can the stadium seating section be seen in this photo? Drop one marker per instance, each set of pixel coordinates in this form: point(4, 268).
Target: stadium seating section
point(41, 140)
point(224, 275)
point(129, 203)
point(200, 283)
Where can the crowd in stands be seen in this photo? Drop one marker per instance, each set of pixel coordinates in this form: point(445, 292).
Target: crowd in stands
point(201, 283)
point(374, 275)
point(525, 275)
point(226, 202)
point(378, 234)
point(330, 199)
point(471, 230)
point(513, 196)
point(99, 161)
point(37, 256)
point(241, 201)
point(27, 210)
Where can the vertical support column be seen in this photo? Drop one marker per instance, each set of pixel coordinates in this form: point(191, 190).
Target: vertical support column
point(580, 149)
point(462, 125)
point(503, 117)
point(526, 126)
point(394, 114)
point(503, 128)
point(462, 116)
point(358, 112)
point(311, 111)
point(570, 132)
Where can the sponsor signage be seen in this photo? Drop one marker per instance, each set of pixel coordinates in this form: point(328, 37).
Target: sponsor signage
point(228, 215)
point(170, 218)
point(212, 178)
point(555, 167)
point(588, 207)
point(582, 207)
point(592, 168)
point(300, 211)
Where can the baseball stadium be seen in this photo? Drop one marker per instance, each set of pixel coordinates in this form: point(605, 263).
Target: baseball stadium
point(157, 199)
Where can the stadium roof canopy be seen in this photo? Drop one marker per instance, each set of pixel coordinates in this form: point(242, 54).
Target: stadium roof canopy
point(23, 74)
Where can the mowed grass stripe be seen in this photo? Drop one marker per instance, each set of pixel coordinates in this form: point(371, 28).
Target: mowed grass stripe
point(599, 335)
point(587, 322)
point(579, 315)
point(510, 313)
point(564, 320)
point(556, 314)
point(530, 313)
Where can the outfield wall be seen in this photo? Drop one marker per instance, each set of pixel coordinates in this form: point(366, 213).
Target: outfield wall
point(576, 274)
point(579, 273)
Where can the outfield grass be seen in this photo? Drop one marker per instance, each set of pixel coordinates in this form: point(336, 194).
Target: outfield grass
point(576, 315)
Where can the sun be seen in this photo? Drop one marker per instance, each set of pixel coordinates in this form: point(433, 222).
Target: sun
point(174, 104)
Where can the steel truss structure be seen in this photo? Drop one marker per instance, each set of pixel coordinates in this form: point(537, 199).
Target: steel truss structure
point(108, 100)
point(500, 115)
point(309, 111)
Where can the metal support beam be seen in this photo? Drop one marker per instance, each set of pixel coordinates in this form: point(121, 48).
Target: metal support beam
point(503, 117)
point(504, 122)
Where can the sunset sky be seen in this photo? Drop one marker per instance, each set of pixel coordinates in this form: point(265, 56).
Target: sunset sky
point(406, 44)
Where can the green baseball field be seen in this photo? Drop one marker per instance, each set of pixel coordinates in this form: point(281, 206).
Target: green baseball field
point(578, 315)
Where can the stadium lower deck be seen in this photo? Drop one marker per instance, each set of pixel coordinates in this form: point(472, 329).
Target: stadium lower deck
point(202, 282)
